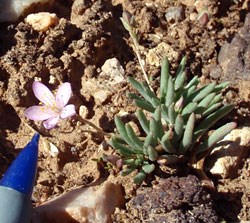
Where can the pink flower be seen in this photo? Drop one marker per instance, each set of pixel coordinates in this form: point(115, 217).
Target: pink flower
point(52, 107)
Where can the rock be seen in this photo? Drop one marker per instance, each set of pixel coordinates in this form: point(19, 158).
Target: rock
point(227, 156)
point(168, 201)
point(188, 3)
point(193, 16)
point(236, 67)
point(42, 21)
point(83, 111)
point(102, 88)
point(113, 71)
point(11, 9)
point(200, 5)
point(101, 96)
point(203, 18)
point(50, 148)
point(155, 55)
point(84, 205)
point(175, 14)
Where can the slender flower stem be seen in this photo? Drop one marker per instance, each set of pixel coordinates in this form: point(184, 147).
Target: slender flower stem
point(137, 52)
point(85, 121)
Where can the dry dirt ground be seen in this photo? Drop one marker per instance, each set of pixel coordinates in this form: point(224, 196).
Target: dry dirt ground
point(89, 33)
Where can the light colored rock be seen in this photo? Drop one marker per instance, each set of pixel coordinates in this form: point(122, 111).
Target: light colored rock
point(101, 96)
point(175, 14)
point(42, 21)
point(226, 158)
point(155, 55)
point(113, 71)
point(10, 10)
point(193, 16)
point(84, 205)
point(188, 3)
point(99, 91)
point(83, 111)
point(49, 148)
point(200, 5)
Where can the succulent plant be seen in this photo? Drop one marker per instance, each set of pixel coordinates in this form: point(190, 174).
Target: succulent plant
point(175, 122)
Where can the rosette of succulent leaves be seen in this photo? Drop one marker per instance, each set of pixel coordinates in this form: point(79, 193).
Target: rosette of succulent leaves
point(175, 123)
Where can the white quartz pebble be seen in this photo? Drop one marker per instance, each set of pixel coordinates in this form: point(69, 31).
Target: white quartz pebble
point(10, 10)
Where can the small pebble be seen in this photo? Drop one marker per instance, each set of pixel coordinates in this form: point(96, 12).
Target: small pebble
point(175, 14)
point(155, 55)
point(203, 18)
point(42, 21)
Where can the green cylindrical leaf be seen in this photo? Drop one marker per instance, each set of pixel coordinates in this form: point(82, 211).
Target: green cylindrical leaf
point(140, 177)
point(211, 120)
point(216, 99)
point(145, 150)
point(157, 116)
point(164, 113)
point(151, 97)
point(152, 153)
point(170, 92)
point(139, 87)
point(157, 113)
point(129, 161)
point(178, 126)
point(153, 126)
point(122, 130)
point(133, 137)
point(181, 66)
point(149, 168)
point(188, 94)
point(150, 140)
point(156, 102)
point(133, 96)
point(188, 134)
point(123, 150)
point(125, 24)
point(144, 122)
point(193, 82)
point(179, 81)
point(144, 105)
point(164, 78)
point(119, 139)
point(171, 114)
point(147, 90)
point(204, 92)
point(221, 86)
point(138, 161)
point(217, 135)
point(189, 108)
point(127, 171)
point(204, 103)
point(166, 142)
point(211, 109)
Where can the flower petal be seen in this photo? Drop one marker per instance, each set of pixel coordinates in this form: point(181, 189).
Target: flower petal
point(51, 122)
point(39, 113)
point(43, 94)
point(68, 111)
point(63, 94)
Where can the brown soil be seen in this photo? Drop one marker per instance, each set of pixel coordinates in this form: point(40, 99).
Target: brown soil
point(89, 33)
